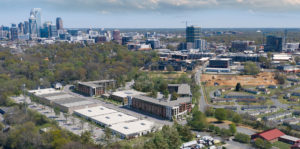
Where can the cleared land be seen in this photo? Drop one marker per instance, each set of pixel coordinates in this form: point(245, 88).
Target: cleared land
point(264, 78)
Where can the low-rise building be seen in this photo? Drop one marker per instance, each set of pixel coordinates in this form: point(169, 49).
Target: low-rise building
point(87, 113)
point(289, 139)
point(132, 129)
point(269, 135)
point(112, 118)
point(122, 96)
point(277, 116)
point(95, 88)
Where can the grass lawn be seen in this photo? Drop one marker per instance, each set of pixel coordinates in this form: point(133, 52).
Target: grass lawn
point(281, 145)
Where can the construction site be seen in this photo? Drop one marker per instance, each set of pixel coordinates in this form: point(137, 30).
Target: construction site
point(264, 78)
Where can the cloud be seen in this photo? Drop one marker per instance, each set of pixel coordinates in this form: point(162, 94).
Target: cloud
point(161, 6)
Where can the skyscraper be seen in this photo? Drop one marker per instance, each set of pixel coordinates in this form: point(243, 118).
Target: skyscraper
point(59, 24)
point(116, 35)
point(37, 14)
point(26, 27)
point(53, 31)
point(274, 44)
point(14, 32)
point(21, 28)
point(192, 33)
point(32, 27)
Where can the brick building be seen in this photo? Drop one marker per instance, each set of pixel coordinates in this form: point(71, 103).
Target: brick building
point(95, 88)
point(165, 107)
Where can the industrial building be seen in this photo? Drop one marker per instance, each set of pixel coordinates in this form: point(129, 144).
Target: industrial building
point(112, 118)
point(132, 129)
point(61, 100)
point(87, 113)
point(95, 88)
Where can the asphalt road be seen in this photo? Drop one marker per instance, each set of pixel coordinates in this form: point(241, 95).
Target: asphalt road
point(202, 103)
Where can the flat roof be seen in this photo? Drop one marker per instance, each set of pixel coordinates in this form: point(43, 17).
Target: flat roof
point(68, 100)
point(60, 96)
point(287, 137)
point(95, 83)
point(113, 118)
point(128, 128)
point(127, 93)
point(79, 103)
point(95, 111)
point(164, 102)
point(44, 91)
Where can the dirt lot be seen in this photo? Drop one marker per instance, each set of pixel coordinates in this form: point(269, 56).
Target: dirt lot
point(265, 78)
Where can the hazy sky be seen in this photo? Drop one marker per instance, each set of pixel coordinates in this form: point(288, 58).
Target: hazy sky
point(157, 13)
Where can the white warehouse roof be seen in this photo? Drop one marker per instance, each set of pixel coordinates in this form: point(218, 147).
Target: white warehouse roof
point(113, 118)
point(44, 91)
point(133, 128)
point(94, 111)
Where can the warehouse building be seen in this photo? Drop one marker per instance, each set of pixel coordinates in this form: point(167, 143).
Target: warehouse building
point(95, 88)
point(87, 113)
point(112, 118)
point(59, 99)
point(132, 129)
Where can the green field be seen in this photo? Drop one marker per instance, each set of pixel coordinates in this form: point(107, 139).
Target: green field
point(281, 145)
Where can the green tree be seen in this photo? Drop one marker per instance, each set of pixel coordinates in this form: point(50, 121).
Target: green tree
point(185, 133)
point(237, 118)
point(198, 121)
point(250, 68)
point(160, 142)
point(172, 136)
point(238, 87)
point(217, 130)
point(220, 114)
point(243, 138)
point(232, 128)
point(174, 96)
point(261, 144)
point(86, 138)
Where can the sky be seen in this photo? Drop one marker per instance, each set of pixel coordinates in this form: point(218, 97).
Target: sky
point(158, 13)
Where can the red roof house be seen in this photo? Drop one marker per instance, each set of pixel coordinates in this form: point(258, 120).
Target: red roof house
point(269, 135)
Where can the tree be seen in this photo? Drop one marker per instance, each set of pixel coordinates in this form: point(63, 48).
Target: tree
point(107, 135)
point(250, 68)
point(211, 128)
point(217, 130)
point(221, 114)
point(238, 87)
point(237, 118)
point(260, 143)
point(86, 138)
point(243, 138)
point(170, 68)
point(209, 111)
point(280, 78)
point(172, 136)
point(232, 128)
point(66, 115)
point(160, 142)
point(174, 96)
point(56, 111)
point(198, 121)
point(185, 133)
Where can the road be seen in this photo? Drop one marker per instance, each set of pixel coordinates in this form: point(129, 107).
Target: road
point(202, 103)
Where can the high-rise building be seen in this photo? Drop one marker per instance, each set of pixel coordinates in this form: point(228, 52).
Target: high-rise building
point(32, 27)
point(200, 44)
point(274, 44)
point(26, 27)
point(126, 40)
point(155, 44)
point(193, 33)
point(53, 31)
point(14, 32)
point(116, 35)
point(59, 23)
point(37, 14)
point(239, 46)
point(21, 28)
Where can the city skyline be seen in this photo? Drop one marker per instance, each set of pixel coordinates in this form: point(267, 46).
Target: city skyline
point(158, 14)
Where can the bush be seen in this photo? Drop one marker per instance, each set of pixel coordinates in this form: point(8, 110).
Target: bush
point(243, 138)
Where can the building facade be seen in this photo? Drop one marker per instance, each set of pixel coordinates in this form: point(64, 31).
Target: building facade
point(95, 88)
